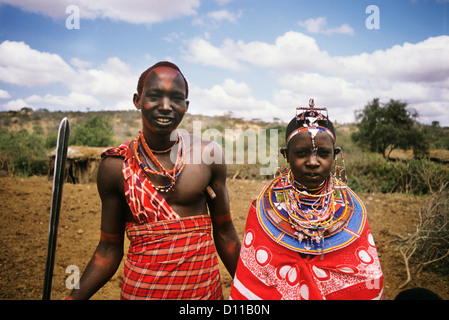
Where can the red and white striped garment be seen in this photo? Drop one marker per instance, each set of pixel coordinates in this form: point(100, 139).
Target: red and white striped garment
point(146, 204)
point(169, 257)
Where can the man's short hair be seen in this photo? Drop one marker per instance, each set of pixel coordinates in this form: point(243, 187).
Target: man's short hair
point(145, 74)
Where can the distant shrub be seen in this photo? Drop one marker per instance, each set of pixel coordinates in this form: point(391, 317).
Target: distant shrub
point(371, 173)
point(22, 153)
point(96, 131)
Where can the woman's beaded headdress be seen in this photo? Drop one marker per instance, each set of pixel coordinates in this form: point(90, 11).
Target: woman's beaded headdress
point(309, 117)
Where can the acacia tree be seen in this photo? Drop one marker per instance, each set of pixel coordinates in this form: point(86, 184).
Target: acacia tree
point(389, 126)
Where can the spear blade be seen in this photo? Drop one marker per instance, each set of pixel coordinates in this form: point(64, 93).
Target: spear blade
point(58, 183)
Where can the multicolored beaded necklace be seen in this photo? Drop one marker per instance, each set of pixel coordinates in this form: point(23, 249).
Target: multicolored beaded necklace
point(311, 212)
point(172, 174)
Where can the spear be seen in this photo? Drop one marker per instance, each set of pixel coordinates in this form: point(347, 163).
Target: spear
point(58, 182)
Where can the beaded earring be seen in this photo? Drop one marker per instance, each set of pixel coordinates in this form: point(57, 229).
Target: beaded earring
point(340, 169)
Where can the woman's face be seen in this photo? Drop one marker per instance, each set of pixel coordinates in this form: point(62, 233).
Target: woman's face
point(310, 166)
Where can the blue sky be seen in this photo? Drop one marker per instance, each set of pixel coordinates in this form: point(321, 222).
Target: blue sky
point(253, 58)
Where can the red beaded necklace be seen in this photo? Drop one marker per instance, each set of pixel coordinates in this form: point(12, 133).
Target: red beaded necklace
point(172, 174)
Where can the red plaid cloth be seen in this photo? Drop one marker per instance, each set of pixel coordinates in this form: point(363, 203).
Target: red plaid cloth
point(146, 204)
point(172, 259)
point(268, 271)
point(169, 257)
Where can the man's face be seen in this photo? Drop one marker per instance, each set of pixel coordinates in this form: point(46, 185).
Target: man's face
point(163, 102)
point(310, 166)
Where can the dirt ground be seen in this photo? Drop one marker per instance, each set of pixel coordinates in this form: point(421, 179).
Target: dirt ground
point(24, 211)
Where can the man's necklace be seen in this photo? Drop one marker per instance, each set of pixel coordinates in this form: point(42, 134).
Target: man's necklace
point(149, 169)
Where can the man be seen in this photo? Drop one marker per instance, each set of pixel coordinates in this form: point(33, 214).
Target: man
point(151, 188)
point(307, 235)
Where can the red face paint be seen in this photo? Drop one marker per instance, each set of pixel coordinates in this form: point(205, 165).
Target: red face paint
point(166, 75)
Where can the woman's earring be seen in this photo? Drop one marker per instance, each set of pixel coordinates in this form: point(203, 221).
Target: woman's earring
point(340, 169)
point(281, 170)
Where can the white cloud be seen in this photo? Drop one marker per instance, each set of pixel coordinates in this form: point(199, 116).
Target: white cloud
point(132, 11)
point(230, 96)
point(319, 25)
point(293, 50)
point(15, 105)
point(212, 19)
point(81, 64)
point(74, 101)
point(340, 96)
point(294, 63)
point(314, 25)
point(425, 61)
point(224, 15)
point(415, 73)
point(328, 88)
point(4, 94)
point(21, 65)
point(203, 52)
point(430, 111)
point(225, 2)
point(113, 80)
point(89, 87)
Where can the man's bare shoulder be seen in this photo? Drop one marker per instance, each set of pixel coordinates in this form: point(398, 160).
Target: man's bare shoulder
point(191, 140)
point(110, 174)
point(207, 151)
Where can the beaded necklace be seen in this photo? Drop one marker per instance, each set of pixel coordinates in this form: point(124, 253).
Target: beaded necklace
point(172, 174)
point(311, 212)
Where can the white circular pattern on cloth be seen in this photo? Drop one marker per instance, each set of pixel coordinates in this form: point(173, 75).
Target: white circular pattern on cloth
point(364, 256)
point(346, 269)
point(304, 292)
point(320, 273)
point(249, 238)
point(292, 276)
point(371, 240)
point(282, 271)
point(263, 256)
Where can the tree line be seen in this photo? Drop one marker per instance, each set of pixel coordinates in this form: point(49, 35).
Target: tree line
point(380, 128)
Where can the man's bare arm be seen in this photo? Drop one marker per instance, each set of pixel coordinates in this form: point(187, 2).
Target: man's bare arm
point(226, 238)
point(109, 252)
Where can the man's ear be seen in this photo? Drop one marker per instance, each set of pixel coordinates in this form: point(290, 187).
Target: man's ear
point(136, 101)
point(187, 105)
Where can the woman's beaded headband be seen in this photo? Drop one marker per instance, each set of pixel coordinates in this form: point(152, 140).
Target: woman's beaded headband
point(313, 132)
point(310, 116)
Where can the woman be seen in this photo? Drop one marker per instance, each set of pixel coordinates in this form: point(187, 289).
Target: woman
point(307, 234)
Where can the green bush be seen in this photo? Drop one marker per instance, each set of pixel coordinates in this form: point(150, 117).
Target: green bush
point(97, 131)
point(22, 153)
point(371, 173)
